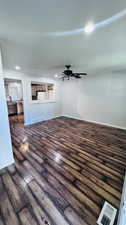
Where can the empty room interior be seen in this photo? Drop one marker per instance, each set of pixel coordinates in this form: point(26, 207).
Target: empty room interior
point(62, 112)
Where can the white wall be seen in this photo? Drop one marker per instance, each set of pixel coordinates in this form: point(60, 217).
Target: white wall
point(100, 98)
point(35, 112)
point(6, 155)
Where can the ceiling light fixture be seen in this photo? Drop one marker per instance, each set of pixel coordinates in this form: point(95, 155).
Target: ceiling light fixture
point(17, 67)
point(55, 75)
point(89, 28)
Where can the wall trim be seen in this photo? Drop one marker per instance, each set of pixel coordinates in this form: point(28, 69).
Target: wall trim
point(10, 162)
point(77, 118)
point(40, 120)
point(92, 121)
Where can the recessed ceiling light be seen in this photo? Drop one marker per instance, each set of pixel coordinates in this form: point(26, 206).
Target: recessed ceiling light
point(55, 75)
point(89, 28)
point(17, 67)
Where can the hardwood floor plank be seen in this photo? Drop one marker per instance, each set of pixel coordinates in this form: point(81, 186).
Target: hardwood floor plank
point(17, 200)
point(26, 217)
point(6, 208)
point(36, 157)
point(101, 183)
point(24, 173)
point(81, 209)
point(101, 155)
point(38, 166)
point(18, 154)
point(106, 173)
point(101, 165)
point(99, 187)
point(89, 192)
point(41, 217)
point(73, 218)
point(54, 195)
point(61, 170)
point(47, 204)
point(70, 163)
point(83, 198)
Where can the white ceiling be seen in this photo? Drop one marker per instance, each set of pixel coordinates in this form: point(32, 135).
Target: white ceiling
point(24, 22)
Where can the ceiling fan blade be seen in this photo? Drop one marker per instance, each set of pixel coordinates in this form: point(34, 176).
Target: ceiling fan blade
point(72, 75)
point(76, 76)
point(81, 74)
point(62, 78)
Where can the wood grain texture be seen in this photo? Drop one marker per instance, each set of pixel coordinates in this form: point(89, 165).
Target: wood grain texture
point(47, 204)
point(6, 208)
point(26, 217)
point(16, 198)
point(73, 217)
point(37, 210)
point(64, 171)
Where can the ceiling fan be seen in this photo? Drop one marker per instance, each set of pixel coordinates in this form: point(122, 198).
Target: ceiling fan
point(68, 73)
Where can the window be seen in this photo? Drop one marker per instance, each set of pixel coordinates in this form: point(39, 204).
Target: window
point(42, 91)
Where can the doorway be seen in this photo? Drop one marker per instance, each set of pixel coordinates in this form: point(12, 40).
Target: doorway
point(15, 104)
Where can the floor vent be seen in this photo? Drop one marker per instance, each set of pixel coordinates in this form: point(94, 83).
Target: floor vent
point(107, 215)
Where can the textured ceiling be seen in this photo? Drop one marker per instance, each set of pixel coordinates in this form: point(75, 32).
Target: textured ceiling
point(23, 24)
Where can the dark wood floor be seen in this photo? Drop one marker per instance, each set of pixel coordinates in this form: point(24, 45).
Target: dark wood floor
point(65, 169)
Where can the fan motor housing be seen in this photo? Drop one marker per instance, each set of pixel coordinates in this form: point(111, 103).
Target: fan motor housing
point(68, 72)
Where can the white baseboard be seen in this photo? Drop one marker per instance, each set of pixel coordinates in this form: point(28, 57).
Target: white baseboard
point(40, 120)
point(74, 117)
point(100, 123)
point(7, 164)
